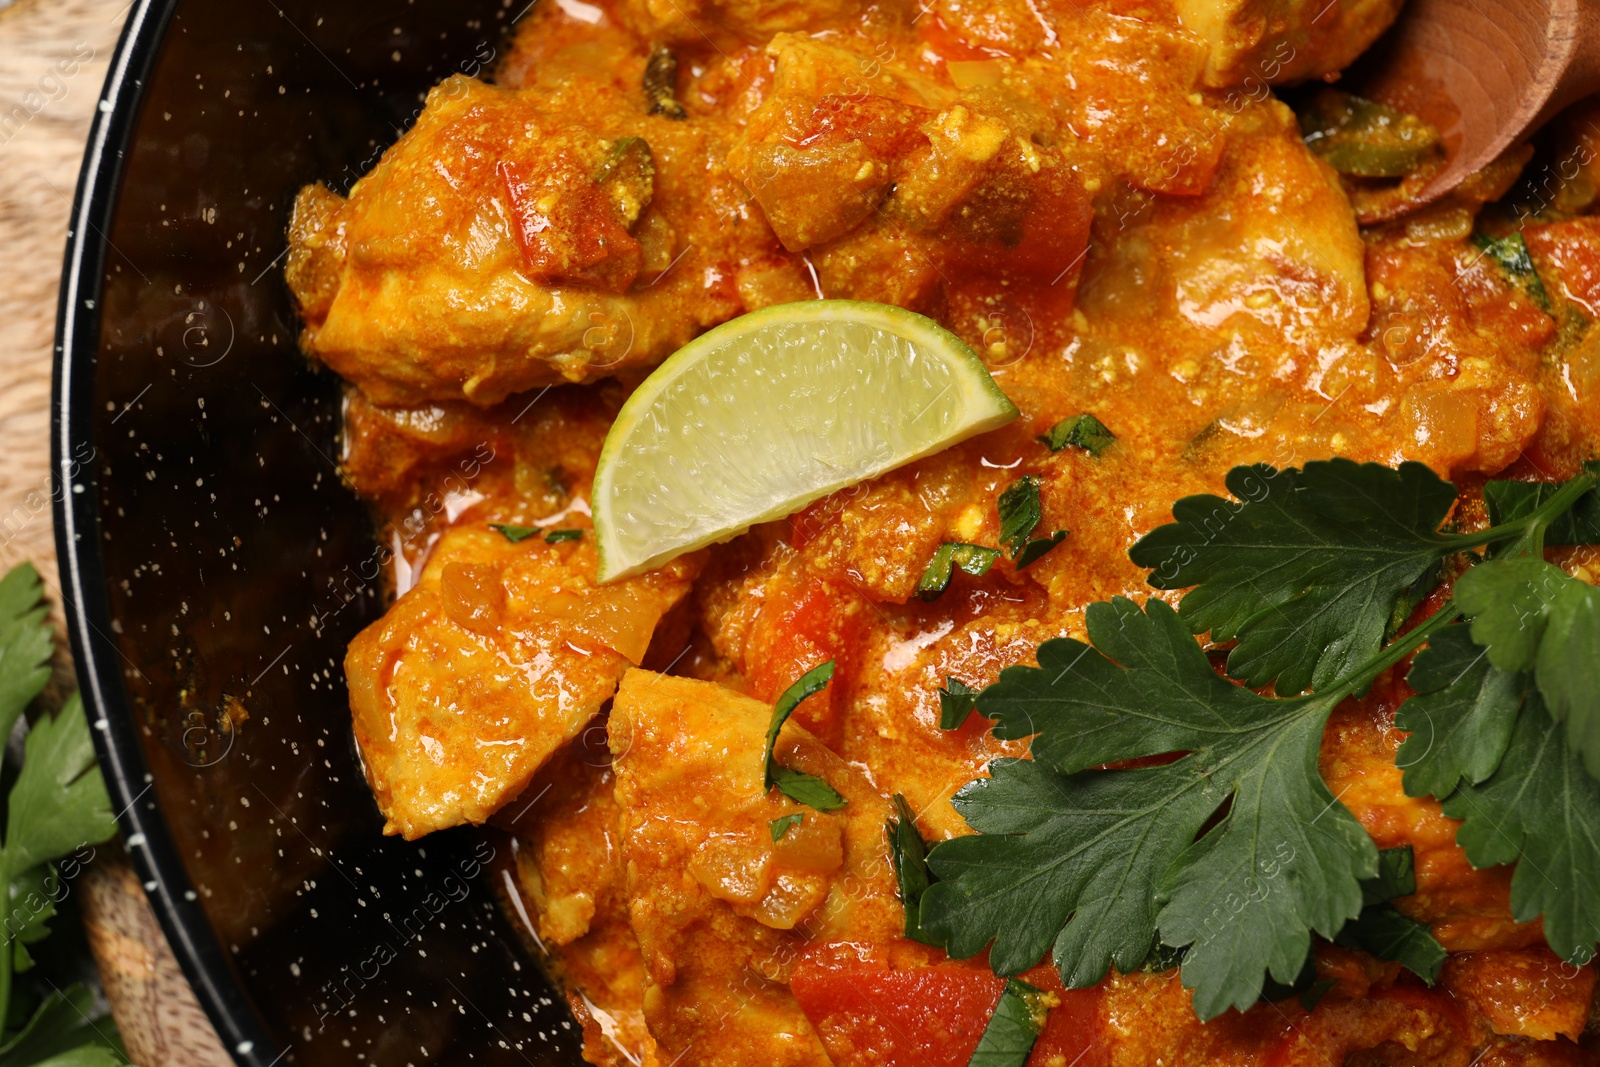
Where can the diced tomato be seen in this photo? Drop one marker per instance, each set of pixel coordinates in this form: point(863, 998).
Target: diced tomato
point(801, 626)
point(885, 128)
point(1568, 257)
point(566, 226)
point(873, 1012)
point(948, 44)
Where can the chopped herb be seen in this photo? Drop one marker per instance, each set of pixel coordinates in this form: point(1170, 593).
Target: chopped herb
point(661, 83)
point(555, 537)
point(1038, 547)
point(1236, 852)
point(1020, 512)
point(514, 534)
point(974, 559)
point(807, 789)
point(1081, 431)
point(1364, 138)
point(783, 823)
point(908, 854)
point(1511, 255)
point(813, 681)
point(956, 701)
point(1016, 1024)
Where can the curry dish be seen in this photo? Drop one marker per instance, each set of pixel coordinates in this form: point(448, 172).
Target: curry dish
point(1112, 203)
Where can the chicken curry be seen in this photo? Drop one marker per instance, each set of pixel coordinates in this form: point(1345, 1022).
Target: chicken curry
point(1113, 204)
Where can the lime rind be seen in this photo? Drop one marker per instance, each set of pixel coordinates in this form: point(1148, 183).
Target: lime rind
point(764, 414)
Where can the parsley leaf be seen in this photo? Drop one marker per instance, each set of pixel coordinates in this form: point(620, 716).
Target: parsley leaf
point(908, 854)
point(1541, 811)
point(1080, 431)
point(1016, 1024)
point(1095, 862)
point(807, 789)
point(1304, 568)
point(1511, 502)
point(555, 537)
point(783, 824)
point(1529, 614)
point(513, 533)
point(57, 804)
point(974, 559)
point(1382, 930)
point(25, 644)
point(62, 1032)
point(1460, 721)
point(956, 701)
point(813, 681)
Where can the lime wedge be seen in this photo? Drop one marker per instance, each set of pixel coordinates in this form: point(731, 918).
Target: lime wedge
point(764, 414)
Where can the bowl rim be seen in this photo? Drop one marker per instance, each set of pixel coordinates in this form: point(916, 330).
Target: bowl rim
point(76, 508)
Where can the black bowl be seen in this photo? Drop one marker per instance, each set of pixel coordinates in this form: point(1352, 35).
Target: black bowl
point(213, 566)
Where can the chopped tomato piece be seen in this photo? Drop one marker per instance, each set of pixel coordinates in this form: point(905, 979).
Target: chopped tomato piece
point(1568, 256)
point(567, 228)
point(802, 626)
point(874, 1012)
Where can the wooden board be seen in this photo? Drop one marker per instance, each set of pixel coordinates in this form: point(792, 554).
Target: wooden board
point(53, 59)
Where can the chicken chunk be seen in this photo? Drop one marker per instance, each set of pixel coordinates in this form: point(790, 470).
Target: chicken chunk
point(516, 239)
point(502, 652)
point(1271, 42)
point(720, 902)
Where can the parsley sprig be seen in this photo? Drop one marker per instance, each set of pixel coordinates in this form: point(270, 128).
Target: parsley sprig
point(1235, 851)
point(56, 808)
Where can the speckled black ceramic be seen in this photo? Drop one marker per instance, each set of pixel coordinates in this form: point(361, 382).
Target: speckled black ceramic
point(214, 567)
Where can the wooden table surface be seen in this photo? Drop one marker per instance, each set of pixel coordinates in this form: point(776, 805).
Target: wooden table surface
point(53, 59)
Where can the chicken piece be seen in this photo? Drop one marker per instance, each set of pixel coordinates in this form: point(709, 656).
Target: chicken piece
point(501, 653)
point(720, 908)
point(908, 191)
point(569, 865)
point(515, 239)
point(1524, 993)
point(1272, 42)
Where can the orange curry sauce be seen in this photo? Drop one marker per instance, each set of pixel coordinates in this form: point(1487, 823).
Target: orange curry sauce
point(1108, 202)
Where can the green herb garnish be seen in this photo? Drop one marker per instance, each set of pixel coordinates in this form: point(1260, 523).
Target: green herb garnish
point(956, 701)
point(1304, 570)
point(798, 786)
point(555, 537)
point(514, 534)
point(783, 823)
point(813, 681)
point(1081, 431)
point(1016, 1024)
point(1382, 930)
point(1020, 513)
point(57, 807)
point(974, 559)
point(807, 789)
point(908, 854)
point(1510, 254)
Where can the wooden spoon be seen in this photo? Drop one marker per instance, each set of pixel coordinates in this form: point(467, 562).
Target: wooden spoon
point(1484, 73)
